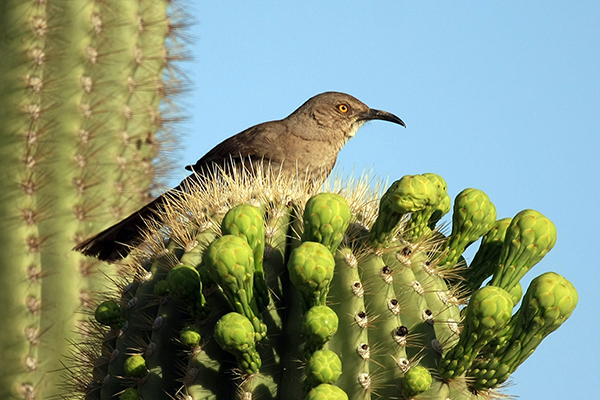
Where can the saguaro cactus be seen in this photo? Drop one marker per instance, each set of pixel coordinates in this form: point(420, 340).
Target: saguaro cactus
point(362, 302)
point(81, 86)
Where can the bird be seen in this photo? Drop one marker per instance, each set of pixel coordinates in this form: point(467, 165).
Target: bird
point(306, 142)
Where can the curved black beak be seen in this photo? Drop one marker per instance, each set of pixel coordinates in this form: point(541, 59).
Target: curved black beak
point(383, 115)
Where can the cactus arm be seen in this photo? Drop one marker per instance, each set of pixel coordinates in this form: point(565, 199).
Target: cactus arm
point(20, 270)
point(146, 84)
point(63, 89)
point(58, 188)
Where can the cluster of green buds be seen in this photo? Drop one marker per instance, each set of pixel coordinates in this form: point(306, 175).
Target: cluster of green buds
point(322, 299)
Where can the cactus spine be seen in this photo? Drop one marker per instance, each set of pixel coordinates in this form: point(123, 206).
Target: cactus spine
point(81, 83)
point(362, 302)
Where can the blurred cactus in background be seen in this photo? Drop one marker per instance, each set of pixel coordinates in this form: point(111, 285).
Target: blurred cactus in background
point(85, 93)
point(261, 288)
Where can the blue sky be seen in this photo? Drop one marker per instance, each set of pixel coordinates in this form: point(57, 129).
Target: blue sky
point(500, 96)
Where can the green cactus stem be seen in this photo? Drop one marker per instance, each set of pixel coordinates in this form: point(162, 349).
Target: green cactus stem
point(81, 140)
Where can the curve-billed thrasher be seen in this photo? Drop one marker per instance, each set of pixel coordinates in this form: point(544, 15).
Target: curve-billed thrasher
point(308, 140)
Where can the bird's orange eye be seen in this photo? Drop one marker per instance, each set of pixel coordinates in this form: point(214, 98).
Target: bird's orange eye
point(343, 108)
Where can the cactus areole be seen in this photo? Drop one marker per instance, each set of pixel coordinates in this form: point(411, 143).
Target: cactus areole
point(276, 292)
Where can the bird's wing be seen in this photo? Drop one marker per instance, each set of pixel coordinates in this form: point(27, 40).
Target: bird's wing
point(251, 143)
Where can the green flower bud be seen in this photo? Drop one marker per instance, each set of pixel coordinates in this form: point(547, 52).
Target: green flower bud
point(230, 263)
point(129, 394)
point(416, 381)
point(311, 267)
point(488, 312)
point(413, 193)
point(323, 366)
point(135, 366)
point(109, 313)
point(190, 336)
point(548, 303)
point(247, 221)
point(184, 282)
point(410, 194)
point(443, 203)
point(161, 288)
point(326, 218)
point(474, 215)
point(319, 324)
point(235, 334)
point(529, 238)
point(326, 391)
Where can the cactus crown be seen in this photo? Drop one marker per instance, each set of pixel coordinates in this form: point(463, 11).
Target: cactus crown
point(339, 299)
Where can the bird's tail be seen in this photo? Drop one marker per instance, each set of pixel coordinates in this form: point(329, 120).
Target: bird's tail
point(115, 242)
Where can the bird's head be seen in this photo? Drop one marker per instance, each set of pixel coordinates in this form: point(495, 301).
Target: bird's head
point(340, 114)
